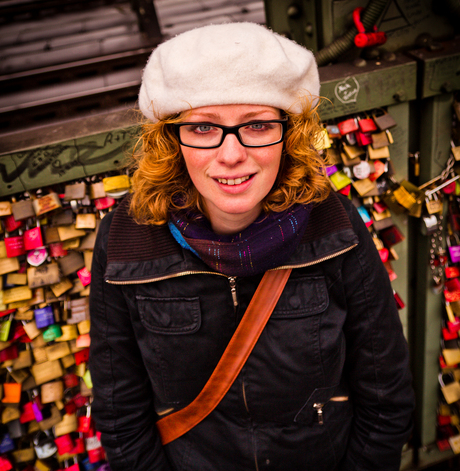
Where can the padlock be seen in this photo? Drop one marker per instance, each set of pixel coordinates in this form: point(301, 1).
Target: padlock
point(84, 419)
point(379, 153)
point(11, 393)
point(433, 204)
point(451, 391)
point(75, 191)
point(84, 275)
point(102, 204)
point(44, 445)
point(24, 359)
point(384, 120)
point(348, 126)
point(9, 353)
point(45, 274)
point(71, 263)
point(52, 391)
point(64, 443)
point(6, 443)
point(453, 244)
point(44, 317)
point(25, 452)
point(68, 424)
point(33, 238)
point(366, 124)
point(37, 256)
point(79, 447)
point(5, 464)
point(27, 414)
point(46, 203)
point(82, 356)
point(69, 332)
point(11, 225)
point(67, 233)
point(47, 371)
point(23, 209)
point(53, 332)
point(57, 250)
point(363, 138)
point(116, 184)
point(70, 467)
point(14, 245)
point(97, 190)
point(5, 328)
point(5, 208)
point(85, 220)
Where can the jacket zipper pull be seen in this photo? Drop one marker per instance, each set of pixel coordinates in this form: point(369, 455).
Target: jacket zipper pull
point(232, 281)
point(319, 411)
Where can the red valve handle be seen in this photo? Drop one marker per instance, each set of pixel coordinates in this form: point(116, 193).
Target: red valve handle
point(357, 19)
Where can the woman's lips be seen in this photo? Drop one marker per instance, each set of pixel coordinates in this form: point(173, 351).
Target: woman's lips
point(233, 181)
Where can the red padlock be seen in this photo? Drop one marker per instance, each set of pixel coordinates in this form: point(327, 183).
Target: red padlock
point(57, 250)
point(11, 224)
point(27, 414)
point(70, 380)
point(348, 126)
point(82, 356)
point(363, 138)
point(104, 203)
point(64, 444)
point(84, 421)
point(363, 39)
point(14, 246)
point(9, 353)
point(5, 464)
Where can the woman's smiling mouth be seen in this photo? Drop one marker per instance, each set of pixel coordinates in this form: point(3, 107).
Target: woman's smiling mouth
point(235, 181)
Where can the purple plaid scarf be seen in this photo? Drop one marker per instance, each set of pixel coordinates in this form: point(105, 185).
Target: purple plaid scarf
point(267, 243)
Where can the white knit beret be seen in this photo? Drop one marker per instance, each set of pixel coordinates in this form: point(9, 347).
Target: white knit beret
point(233, 63)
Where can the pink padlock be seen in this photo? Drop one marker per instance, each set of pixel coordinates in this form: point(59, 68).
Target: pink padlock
point(33, 238)
point(104, 203)
point(57, 250)
point(363, 138)
point(85, 276)
point(64, 444)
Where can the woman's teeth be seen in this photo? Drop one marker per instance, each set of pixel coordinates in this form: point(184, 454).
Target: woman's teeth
point(236, 181)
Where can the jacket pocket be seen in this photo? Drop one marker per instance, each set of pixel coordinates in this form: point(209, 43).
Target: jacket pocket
point(170, 316)
point(325, 405)
point(302, 297)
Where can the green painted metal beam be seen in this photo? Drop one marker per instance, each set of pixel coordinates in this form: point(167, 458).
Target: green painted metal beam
point(439, 69)
point(434, 138)
point(350, 89)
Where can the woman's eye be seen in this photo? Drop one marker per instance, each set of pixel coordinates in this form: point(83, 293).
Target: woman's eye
point(203, 128)
point(260, 126)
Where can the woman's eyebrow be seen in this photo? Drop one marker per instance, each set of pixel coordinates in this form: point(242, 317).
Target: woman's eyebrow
point(252, 114)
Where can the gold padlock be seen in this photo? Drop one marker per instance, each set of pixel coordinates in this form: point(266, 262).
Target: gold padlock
point(44, 372)
point(20, 293)
point(69, 332)
point(57, 351)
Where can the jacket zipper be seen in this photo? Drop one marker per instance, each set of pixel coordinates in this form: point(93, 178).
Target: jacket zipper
point(319, 407)
point(232, 281)
point(198, 272)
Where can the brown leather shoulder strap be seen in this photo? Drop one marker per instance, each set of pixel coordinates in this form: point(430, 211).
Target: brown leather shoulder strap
point(237, 352)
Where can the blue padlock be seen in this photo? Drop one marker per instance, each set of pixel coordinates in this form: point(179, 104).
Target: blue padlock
point(7, 444)
point(44, 317)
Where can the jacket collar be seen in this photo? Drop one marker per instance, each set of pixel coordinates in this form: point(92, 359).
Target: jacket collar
point(140, 253)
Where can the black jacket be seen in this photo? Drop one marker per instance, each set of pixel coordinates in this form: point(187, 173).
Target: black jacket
point(327, 387)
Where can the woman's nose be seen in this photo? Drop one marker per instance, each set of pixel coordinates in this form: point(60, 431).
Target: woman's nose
point(231, 152)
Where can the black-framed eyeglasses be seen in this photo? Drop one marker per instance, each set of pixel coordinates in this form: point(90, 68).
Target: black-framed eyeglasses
point(253, 134)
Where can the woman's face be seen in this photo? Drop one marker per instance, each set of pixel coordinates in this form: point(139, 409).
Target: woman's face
point(233, 179)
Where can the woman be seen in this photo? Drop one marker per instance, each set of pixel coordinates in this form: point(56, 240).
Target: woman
point(228, 185)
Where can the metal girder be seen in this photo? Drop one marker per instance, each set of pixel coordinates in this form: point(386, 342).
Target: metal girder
point(349, 89)
point(439, 69)
point(72, 150)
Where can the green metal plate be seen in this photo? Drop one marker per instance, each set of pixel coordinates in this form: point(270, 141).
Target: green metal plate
point(48, 165)
point(440, 69)
point(349, 89)
point(104, 152)
point(9, 174)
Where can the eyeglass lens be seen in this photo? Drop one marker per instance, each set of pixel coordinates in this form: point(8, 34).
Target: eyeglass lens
point(208, 135)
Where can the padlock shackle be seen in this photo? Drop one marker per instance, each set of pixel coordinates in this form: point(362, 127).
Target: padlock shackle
point(357, 19)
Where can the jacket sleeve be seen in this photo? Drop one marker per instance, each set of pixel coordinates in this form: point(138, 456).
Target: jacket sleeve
point(377, 361)
point(123, 398)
